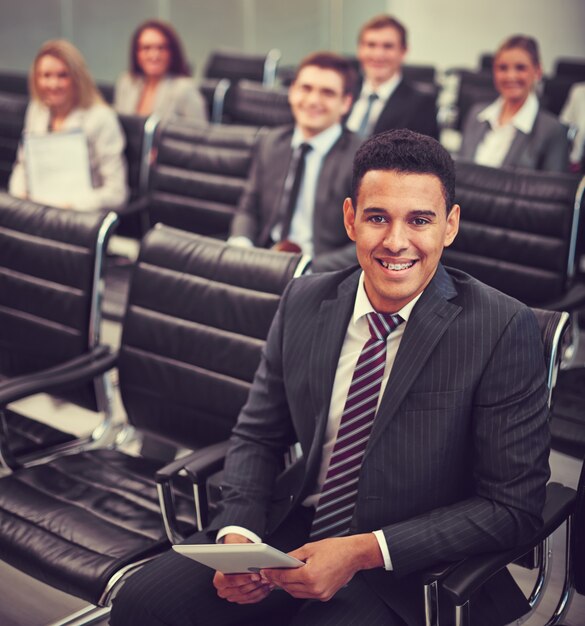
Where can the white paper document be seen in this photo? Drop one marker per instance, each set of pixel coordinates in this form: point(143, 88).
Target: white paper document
point(57, 167)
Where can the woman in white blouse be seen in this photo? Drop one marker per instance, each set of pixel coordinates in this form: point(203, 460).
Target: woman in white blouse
point(514, 130)
point(64, 101)
point(159, 78)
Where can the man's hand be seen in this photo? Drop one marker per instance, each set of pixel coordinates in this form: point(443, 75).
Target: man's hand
point(241, 588)
point(329, 565)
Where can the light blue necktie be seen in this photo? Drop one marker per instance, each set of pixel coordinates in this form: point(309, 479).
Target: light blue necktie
point(362, 130)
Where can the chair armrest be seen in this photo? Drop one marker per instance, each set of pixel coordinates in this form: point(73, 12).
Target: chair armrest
point(471, 573)
point(198, 465)
point(62, 376)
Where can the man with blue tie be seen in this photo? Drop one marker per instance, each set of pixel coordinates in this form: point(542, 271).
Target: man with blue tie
point(417, 396)
point(384, 99)
point(300, 174)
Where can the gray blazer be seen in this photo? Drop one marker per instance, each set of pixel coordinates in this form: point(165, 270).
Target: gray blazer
point(260, 204)
point(175, 97)
point(457, 461)
point(545, 148)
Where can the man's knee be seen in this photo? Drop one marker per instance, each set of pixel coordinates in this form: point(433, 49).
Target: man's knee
point(162, 592)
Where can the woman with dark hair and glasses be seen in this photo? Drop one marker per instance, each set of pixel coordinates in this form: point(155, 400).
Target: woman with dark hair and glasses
point(159, 80)
point(514, 130)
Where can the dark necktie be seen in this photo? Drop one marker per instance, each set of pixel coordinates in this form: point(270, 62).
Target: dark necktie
point(292, 185)
point(338, 495)
point(362, 131)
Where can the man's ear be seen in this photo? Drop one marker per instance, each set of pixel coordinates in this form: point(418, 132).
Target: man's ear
point(349, 218)
point(452, 224)
point(347, 102)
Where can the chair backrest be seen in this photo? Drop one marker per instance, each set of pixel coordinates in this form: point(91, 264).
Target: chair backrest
point(50, 288)
point(423, 77)
point(574, 68)
point(197, 318)
point(12, 110)
point(556, 91)
point(252, 104)
point(474, 87)
point(235, 65)
point(199, 175)
point(518, 230)
point(14, 82)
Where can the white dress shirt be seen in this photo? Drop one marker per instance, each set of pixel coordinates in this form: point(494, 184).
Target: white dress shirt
point(384, 91)
point(356, 336)
point(494, 147)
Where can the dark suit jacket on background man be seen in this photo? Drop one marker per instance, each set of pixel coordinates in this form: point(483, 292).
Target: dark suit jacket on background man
point(259, 207)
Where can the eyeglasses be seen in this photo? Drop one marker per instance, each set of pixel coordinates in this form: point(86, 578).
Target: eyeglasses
point(163, 47)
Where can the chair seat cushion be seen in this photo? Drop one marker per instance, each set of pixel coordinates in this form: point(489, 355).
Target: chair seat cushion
point(27, 436)
point(75, 521)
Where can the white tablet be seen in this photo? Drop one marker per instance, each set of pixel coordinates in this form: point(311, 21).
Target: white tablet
point(237, 558)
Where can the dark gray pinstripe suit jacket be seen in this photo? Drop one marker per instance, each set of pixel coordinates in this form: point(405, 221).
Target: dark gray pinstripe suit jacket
point(458, 458)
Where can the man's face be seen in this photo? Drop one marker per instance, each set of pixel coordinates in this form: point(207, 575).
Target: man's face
point(380, 54)
point(317, 100)
point(400, 227)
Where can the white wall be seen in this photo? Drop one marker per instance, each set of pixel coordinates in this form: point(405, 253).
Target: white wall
point(445, 33)
point(454, 33)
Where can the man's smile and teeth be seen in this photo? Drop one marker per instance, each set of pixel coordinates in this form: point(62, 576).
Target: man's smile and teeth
point(396, 266)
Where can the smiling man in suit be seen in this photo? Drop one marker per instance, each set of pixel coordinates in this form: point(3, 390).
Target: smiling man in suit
point(418, 398)
point(300, 175)
point(384, 99)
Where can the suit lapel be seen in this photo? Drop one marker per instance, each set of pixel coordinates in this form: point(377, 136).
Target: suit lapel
point(395, 112)
point(517, 149)
point(429, 320)
point(328, 337)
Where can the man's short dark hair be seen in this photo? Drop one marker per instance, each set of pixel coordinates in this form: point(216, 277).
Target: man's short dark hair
point(335, 62)
point(407, 152)
point(385, 21)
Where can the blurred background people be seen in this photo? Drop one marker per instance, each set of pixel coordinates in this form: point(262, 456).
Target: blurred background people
point(159, 80)
point(514, 130)
point(64, 99)
point(573, 114)
point(383, 99)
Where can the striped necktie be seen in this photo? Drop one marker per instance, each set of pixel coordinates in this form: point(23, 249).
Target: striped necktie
point(338, 496)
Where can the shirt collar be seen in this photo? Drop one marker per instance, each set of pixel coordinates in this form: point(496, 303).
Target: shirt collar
point(522, 121)
point(321, 143)
point(385, 90)
point(363, 306)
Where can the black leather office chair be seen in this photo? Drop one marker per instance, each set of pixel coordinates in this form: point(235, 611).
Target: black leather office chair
point(473, 88)
point(12, 110)
point(199, 175)
point(50, 290)
point(225, 68)
point(236, 65)
point(251, 104)
point(519, 233)
point(197, 318)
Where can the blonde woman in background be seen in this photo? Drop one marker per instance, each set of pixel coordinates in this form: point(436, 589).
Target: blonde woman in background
point(514, 130)
point(64, 98)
